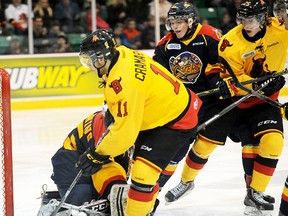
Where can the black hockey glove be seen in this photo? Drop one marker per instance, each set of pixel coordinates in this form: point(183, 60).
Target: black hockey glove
point(275, 84)
point(91, 162)
point(227, 88)
point(284, 111)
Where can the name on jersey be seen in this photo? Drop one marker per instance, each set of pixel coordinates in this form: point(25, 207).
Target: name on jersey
point(66, 76)
point(174, 46)
point(140, 66)
point(251, 53)
point(197, 43)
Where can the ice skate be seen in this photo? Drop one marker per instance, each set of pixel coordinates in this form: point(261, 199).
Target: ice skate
point(256, 204)
point(181, 190)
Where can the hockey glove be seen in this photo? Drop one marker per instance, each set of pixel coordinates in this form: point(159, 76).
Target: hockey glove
point(275, 84)
point(227, 88)
point(284, 111)
point(91, 162)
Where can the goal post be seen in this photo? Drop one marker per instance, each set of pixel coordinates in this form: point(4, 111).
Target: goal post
point(6, 184)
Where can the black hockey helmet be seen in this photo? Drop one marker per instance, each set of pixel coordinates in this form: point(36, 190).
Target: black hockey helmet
point(253, 8)
point(100, 44)
point(181, 11)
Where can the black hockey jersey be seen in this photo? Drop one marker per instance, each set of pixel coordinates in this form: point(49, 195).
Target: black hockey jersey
point(193, 59)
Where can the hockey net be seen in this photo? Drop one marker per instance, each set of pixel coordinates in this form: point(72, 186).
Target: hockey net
point(6, 177)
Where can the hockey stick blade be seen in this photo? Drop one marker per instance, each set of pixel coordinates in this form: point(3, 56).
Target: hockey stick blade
point(258, 79)
point(241, 86)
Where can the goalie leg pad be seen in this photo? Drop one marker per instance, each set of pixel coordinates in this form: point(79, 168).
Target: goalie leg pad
point(118, 199)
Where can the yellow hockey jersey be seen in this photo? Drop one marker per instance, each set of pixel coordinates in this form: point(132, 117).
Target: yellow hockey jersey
point(249, 59)
point(141, 95)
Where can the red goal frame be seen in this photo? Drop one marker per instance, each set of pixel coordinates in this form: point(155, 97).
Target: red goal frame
point(6, 141)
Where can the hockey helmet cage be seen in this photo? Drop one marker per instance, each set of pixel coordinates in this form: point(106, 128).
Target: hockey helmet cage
point(280, 9)
point(97, 45)
point(181, 11)
point(253, 8)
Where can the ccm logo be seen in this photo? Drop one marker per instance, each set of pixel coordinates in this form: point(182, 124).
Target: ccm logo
point(267, 122)
point(145, 148)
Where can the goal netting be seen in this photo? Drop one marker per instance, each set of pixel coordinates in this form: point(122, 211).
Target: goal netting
point(6, 177)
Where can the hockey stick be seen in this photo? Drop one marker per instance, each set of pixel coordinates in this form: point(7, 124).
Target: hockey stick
point(95, 208)
point(258, 79)
point(67, 192)
point(230, 107)
point(251, 91)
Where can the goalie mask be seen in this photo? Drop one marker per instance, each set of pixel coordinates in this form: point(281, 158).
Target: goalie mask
point(181, 11)
point(96, 49)
point(253, 12)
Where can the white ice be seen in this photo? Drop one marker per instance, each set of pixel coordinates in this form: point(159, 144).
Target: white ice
point(219, 189)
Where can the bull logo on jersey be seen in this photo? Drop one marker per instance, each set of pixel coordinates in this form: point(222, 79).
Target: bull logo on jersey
point(186, 67)
point(258, 67)
point(116, 85)
point(225, 43)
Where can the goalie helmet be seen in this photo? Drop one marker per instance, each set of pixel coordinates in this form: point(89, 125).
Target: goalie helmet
point(253, 9)
point(181, 11)
point(100, 44)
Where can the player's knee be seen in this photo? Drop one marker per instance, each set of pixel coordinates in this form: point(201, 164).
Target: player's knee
point(271, 145)
point(203, 148)
point(249, 150)
point(145, 172)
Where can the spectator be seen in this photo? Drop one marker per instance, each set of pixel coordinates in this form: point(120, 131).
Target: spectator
point(61, 46)
point(2, 20)
point(148, 34)
point(131, 35)
point(232, 8)
point(116, 10)
point(55, 29)
point(138, 9)
point(100, 22)
point(118, 32)
point(67, 13)
point(43, 9)
point(226, 23)
point(40, 34)
point(16, 47)
point(16, 14)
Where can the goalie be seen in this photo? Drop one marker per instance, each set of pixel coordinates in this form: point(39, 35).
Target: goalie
point(99, 185)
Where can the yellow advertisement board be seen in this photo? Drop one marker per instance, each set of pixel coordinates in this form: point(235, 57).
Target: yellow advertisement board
point(50, 80)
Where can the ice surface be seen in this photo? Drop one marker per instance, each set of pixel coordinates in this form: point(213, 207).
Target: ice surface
point(219, 188)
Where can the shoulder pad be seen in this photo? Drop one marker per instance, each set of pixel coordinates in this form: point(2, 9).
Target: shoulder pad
point(211, 31)
point(167, 37)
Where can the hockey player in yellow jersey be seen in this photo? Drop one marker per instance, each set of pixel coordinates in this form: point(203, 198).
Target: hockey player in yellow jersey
point(151, 108)
point(254, 48)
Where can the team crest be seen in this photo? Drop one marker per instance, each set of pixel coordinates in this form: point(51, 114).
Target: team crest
point(116, 85)
point(225, 43)
point(186, 67)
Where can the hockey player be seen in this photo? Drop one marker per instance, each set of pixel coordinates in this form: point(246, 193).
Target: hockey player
point(85, 135)
point(139, 94)
point(250, 49)
point(188, 51)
